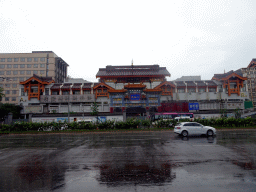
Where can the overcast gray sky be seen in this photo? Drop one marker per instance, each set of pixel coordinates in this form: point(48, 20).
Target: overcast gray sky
point(187, 37)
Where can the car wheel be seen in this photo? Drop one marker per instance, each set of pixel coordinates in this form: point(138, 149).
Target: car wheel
point(209, 133)
point(184, 133)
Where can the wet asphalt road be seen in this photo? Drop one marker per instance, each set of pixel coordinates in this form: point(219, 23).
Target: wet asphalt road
point(143, 161)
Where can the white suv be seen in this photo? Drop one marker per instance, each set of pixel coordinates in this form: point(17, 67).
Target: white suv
point(193, 128)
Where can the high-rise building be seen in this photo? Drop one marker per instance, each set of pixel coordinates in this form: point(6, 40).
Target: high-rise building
point(250, 73)
point(17, 67)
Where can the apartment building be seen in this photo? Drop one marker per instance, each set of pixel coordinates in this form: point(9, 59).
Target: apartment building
point(250, 73)
point(18, 67)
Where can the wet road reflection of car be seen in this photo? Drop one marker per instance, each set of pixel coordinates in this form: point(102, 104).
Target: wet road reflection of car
point(193, 128)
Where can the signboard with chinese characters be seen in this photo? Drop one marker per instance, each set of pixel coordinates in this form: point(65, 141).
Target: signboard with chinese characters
point(193, 106)
point(135, 97)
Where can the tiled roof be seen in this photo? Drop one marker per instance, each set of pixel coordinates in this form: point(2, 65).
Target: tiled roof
point(87, 86)
point(56, 86)
point(139, 70)
point(189, 78)
point(200, 83)
point(252, 63)
point(76, 86)
point(211, 83)
point(45, 79)
point(220, 76)
point(171, 82)
point(190, 83)
point(180, 83)
point(66, 86)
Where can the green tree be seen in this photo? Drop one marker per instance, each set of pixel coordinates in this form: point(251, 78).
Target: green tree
point(238, 113)
point(7, 108)
point(1, 93)
point(94, 109)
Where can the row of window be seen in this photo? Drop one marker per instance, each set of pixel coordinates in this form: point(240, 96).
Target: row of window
point(8, 85)
point(193, 90)
point(8, 98)
point(23, 59)
point(7, 92)
point(9, 66)
point(68, 92)
point(21, 72)
point(14, 79)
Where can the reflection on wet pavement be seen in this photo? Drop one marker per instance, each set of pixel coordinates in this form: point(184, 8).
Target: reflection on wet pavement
point(151, 161)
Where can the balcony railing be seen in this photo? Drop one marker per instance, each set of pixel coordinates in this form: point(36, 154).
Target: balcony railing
point(67, 98)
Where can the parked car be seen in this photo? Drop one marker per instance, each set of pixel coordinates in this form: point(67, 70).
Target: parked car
point(193, 128)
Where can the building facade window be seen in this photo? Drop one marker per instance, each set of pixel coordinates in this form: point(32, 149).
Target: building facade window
point(55, 93)
point(35, 72)
point(7, 92)
point(191, 90)
point(8, 72)
point(22, 92)
point(47, 91)
point(181, 90)
point(15, 66)
point(7, 85)
point(87, 91)
point(15, 78)
point(22, 59)
point(29, 65)
point(14, 85)
point(42, 65)
point(6, 98)
point(34, 89)
point(9, 60)
point(201, 90)
point(22, 66)
point(76, 92)
point(2, 59)
point(29, 59)
point(28, 72)
point(42, 59)
point(2, 66)
point(22, 72)
point(14, 92)
point(1, 72)
point(65, 92)
point(15, 72)
point(42, 72)
point(35, 65)
point(13, 98)
point(21, 78)
point(9, 66)
point(16, 59)
point(35, 59)
point(212, 89)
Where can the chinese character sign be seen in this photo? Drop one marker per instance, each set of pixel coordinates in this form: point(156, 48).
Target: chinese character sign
point(135, 97)
point(193, 106)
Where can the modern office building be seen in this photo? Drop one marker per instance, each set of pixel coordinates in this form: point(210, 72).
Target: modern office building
point(18, 67)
